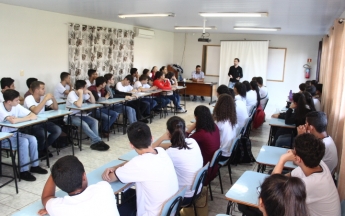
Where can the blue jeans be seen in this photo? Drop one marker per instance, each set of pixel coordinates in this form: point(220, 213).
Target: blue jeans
point(175, 100)
point(104, 116)
point(130, 112)
point(89, 126)
point(231, 85)
point(39, 132)
point(162, 101)
point(284, 141)
point(27, 149)
point(152, 103)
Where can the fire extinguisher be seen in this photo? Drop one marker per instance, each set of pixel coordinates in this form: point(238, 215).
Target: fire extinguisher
point(307, 69)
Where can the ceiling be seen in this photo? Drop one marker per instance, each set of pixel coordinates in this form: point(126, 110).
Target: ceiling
point(297, 17)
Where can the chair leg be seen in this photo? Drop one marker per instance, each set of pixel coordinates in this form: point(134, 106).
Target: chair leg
point(220, 180)
point(195, 212)
point(229, 168)
point(209, 186)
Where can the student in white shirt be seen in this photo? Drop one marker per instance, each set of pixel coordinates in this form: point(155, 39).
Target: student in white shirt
point(92, 77)
point(224, 114)
point(147, 72)
point(134, 73)
point(28, 83)
point(37, 103)
point(8, 83)
point(152, 171)
point(181, 151)
point(64, 87)
point(89, 124)
point(198, 76)
point(69, 175)
point(322, 195)
point(142, 86)
point(11, 111)
point(263, 92)
point(240, 92)
point(251, 96)
point(316, 124)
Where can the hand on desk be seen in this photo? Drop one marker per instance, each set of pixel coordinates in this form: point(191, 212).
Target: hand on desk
point(108, 175)
point(288, 156)
point(42, 212)
point(275, 115)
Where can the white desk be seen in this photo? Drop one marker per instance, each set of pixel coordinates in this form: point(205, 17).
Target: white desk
point(276, 122)
point(60, 101)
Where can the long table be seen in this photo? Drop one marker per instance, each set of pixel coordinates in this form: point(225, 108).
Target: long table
point(208, 89)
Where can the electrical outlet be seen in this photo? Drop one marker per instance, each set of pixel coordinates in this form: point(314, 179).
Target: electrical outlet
point(21, 72)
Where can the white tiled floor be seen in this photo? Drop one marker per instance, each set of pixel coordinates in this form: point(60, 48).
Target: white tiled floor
point(29, 192)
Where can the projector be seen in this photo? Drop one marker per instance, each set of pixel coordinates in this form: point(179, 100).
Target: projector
point(208, 40)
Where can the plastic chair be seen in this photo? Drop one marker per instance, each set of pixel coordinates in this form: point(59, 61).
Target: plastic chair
point(173, 204)
point(342, 208)
point(263, 108)
point(215, 160)
point(246, 122)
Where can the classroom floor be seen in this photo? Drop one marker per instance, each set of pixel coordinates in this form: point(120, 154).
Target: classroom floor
point(30, 192)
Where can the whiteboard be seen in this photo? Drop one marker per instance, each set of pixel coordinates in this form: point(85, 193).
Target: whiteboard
point(276, 64)
point(212, 60)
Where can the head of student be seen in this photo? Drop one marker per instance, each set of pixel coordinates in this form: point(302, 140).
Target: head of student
point(299, 100)
point(247, 85)
point(7, 83)
point(109, 79)
point(309, 100)
point(159, 75)
point(222, 89)
point(236, 61)
point(311, 89)
point(170, 75)
point(302, 87)
point(143, 79)
point(316, 122)
point(283, 195)
point(225, 110)
point(92, 73)
point(255, 87)
point(314, 83)
point(164, 69)
point(38, 87)
point(128, 80)
point(177, 127)
point(69, 175)
point(134, 72)
point(146, 72)
point(240, 89)
point(29, 81)
point(101, 82)
point(260, 81)
point(204, 119)
point(154, 69)
point(64, 76)
point(198, 69)
point(81, 84)
point(319, 89)
point(308, 83)
point(139, 135)
point(11, 97)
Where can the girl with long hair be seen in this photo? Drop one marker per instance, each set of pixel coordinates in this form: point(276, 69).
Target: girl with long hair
point(153, 72)
point(255, 87)
point(251, 96)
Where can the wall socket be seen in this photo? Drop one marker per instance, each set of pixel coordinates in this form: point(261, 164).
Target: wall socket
point(21, 72)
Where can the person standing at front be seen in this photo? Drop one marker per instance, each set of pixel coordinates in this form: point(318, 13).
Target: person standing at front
point(235, 73)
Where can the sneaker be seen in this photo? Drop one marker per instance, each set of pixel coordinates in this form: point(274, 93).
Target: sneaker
point(38, 170)
point(194, 99)
point(100, 146)
point(27, 176)
point(202, 98)
point(181, 110)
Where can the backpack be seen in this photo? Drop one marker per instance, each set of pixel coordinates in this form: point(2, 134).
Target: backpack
point(242, 152)
point(259, 117)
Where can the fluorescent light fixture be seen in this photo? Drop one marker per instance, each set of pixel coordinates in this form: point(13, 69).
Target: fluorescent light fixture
point(256, 28)
point(233, 14)
point(146, 15)
point(194, 27)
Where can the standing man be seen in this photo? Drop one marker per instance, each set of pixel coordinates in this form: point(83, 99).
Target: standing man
point(198, 76)
point(235, 73)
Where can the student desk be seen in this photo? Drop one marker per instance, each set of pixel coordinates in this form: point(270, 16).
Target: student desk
point(21, 125)
point(92, 177)
point(84, 107)
point(269, 156)
point(60, 101)
point(276, 122)
point(200, 89)
point(244, 191)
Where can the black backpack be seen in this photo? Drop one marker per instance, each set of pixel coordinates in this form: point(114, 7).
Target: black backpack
point(242, 152)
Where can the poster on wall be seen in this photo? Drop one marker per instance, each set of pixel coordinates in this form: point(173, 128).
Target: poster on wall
point(107, 50)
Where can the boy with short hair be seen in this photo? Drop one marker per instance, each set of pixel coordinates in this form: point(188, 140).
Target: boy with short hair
point(28, 83)
point(7, 83)
point(142, 86)
point(13, 112)
point(63, 88)
point(69, 175)
point(322, 195)
point(37, 103)
point(152, 171)
point(89, 124)
point(92, 77)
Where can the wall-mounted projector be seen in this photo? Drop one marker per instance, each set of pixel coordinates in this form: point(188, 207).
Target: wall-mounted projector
point(207, 40)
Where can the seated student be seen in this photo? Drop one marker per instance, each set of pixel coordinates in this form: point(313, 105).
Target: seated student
point(28, 83)
point(174, 84)
point(241, 109)
point(8, 83)
point(37, 103)
point(162, 83)
point(92, 77)
point(302, 87)
point(107, 116)
point(255, 87)
point(198, 76)
point(69, 175)
point(308, 83)
point(312, 90)
point(316, 124)
point(119, 108)
point(240, 92)
point(134, 73)
point(142, 86)
point(164, 70)
point(89, 125)
point(13, 112)
point(153, 72)
point(64, 87)
point(263, 91)
point(224, 114)
point(314, 83)
point(147, 73)
point(207, 136)
point(322, 195)
point(152, 171)
point(141, 107)
point(283, 195)
point(319, 91)
point(251, 96)
point(309, 101)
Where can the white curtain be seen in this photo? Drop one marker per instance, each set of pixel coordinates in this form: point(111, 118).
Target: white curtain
point(253, 59)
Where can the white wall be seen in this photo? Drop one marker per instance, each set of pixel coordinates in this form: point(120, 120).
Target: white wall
point(36, 41)
point(299, 49)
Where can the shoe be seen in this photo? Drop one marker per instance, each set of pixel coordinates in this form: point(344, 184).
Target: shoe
point(38, 170)
point(144, 120)
point(27, 176)
point(100, 146)
point(194, 99)
point(181, 110)
point(42, 154)
point(202, 98)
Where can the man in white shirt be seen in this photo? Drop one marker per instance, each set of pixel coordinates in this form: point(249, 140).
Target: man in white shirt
point(69, 175)
point(11, 111)
point(37, 103)
point(198, 76)
point(322, 195)
point(8, 83)
point(263, 91)
point(316, 124)
point(152, 171)
point(92, 78)
point(63, 88)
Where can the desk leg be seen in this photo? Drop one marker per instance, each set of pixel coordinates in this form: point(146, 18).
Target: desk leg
point(69, 122)
point(259, 168)
point(124, 120)
point(81, 130)
point(230, 208)
point(269, 142)
point(108, 121)
point(46, 144)
point(14, 165)
point(185, 104)
point(18, 153)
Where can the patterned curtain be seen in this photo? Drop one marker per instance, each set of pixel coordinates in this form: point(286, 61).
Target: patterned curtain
point(107, 50)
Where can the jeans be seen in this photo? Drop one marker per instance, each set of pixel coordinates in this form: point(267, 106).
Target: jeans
point(175, 100)
point(27, 149)
point(284, 141)
point(130, 112)
point(39, 132)
point(162, 101)
point(89, 126)
point(104, 116)
point(140, 108)
point(152, 103)
point(231, 85)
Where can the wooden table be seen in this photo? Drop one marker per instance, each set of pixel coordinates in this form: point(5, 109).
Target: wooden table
point(208, 89)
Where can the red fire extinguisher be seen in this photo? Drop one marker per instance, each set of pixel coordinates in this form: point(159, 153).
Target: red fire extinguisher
point(307, 69)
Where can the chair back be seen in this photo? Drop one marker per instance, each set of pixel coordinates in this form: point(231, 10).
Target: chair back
point(215, 157)
point(246, 122)
point(173, 204)
point(342, 208)
point(234, 143)
point(252, 112)
point(263, 108)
